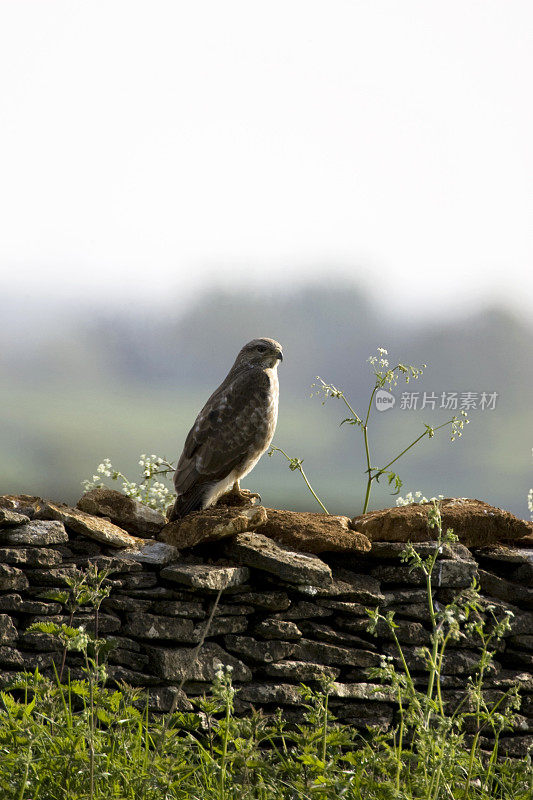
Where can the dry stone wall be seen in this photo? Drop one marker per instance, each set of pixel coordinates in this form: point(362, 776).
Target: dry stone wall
point(284, 617)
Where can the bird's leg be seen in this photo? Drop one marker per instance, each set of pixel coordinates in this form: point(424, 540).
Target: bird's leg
point(238, 497)
point(244, 493)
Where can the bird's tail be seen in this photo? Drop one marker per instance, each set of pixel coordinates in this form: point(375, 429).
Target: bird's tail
point(192, 500)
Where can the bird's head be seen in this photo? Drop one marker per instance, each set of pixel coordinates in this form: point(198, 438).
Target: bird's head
point(262, 352)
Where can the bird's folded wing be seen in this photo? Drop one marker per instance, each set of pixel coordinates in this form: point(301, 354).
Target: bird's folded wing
point(225, 432)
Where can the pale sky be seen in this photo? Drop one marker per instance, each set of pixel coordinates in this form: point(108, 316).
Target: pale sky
point(148, 149)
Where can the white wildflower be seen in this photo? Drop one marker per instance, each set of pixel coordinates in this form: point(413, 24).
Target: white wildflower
point(416, 497)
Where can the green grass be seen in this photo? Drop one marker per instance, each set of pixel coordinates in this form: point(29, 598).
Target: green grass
point(69, 739)
point(77, 741)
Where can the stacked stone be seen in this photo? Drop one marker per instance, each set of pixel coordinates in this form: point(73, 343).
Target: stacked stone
point(284, 617)
point(31, 561)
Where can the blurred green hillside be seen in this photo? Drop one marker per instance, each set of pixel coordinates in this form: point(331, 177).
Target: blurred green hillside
point(78, 387)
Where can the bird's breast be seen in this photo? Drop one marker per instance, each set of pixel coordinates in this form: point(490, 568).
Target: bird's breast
point(270, 416)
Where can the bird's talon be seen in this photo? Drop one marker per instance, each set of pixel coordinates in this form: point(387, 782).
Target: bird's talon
point(238, 497)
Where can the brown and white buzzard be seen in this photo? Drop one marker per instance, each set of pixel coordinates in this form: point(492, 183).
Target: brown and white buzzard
point(232, 431)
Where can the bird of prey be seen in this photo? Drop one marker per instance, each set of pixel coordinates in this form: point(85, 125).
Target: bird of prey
point(232, 431)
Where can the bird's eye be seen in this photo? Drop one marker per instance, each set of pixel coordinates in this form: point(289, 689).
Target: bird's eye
point(261, 348)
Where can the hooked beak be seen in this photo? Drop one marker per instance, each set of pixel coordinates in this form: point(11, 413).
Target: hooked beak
point(280, 355)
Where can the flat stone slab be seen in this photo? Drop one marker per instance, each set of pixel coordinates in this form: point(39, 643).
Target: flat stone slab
point(476, 523)
point(457, 574)
point(120, 602)
point(361, 715)
point(406, 630)
point(267, 601)
point(362, 691)
point(162, 698)
point(12, 578)
point(325, 633)
point(179, 629)
point(456, 662)
point(277, 629)
point(258, 651)
point(212, 524)
point(116, 564)
point(266, 693)
point(516, 746)
point(206, 576)
point(14, 602)
point(126, 512)
point(309, 532)
point(397, 596)
point(229, 610)
point(179, 608)
point(525, 641)
point(30, 556)
point(511, 555)
point(178, 664)
point(107, 623)
point(128, 658)
point(20, 503)
point(519, 560)
point(505, 590)
point(323, 653)
point(41, 642)
point(123, 643)
point(118, 675)
point(348, 585)
point(37, 533)
point(8, 632)
point(304, 610)
point(9, 518)
point(417, 611)
point(154, 626)
point(301, 670)
point(351, 609)
point(424, 550)
point(158, 554)
point(11, 659)
point(51, 576)
point(141, 580)
point(222, 625)
point(256, 550)
point(97, 528)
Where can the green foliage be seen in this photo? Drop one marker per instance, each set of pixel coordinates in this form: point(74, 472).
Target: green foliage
point(89, 588)
point(384, 376)
point(444, 741)
point(78, 740)
point(296, 464)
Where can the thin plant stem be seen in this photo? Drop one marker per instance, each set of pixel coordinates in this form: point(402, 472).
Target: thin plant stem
point(224, 752)
point(426, 433)
point(400, 743)
point(317, 498)
point(325, 728)
point(64, 658)
point(27, 762)
point(91, 727)
point(382, 379)
point(296, 464)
